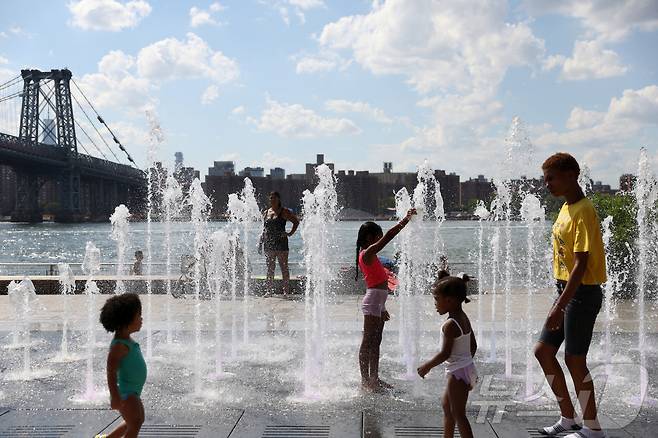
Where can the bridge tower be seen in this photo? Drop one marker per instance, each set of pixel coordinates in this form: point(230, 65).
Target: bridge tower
point(27, 202)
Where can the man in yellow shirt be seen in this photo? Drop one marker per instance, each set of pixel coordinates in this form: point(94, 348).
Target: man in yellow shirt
point(579, 270)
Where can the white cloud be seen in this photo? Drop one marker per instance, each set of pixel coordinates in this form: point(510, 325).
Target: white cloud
point(609, 140)
point(581, 118)
point(455, 60)
point(636, 105)
point(307, 4)
point(296, 121)
point(271, 161)
point(109, 15)
point(346, 106)
point(589, 61)
point(606, 20)
point(135, 138)
point(127, 82)
point(435, 44)
point(298, 7)
point(238, 110)
point(323, 61)
point(193, 58)
point(10, 120)
point(200, 17)
point(17, 31)
point(116, 85)
point(210, 94)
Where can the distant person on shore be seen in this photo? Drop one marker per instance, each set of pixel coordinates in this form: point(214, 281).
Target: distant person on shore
point(369, 242)
point(136, 268)
point(459, 347)
point(579, 270)
point(126, 368)
point(274, 240)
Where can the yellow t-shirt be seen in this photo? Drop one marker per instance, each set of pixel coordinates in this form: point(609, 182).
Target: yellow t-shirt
point(577, 229)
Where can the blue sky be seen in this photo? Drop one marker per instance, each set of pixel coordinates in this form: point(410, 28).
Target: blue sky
point(273, 82)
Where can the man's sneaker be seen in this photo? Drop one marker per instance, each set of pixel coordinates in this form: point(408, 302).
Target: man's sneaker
point(558, 428)
point(587, 433)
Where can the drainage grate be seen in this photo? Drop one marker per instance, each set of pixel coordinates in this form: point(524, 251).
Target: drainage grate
point(296, 432)
point(37, 431)
point(169, 430)
point(532, 433)
point(421, 432)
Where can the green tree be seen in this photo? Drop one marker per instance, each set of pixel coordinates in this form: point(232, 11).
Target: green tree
point(621, 251)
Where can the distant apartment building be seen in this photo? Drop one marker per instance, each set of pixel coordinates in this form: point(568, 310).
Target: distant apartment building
point(361, 190)
point(252, 172)
point(219, 187)
point(222, 168)
point(358, 191)
point(599, 187)
point(184, 176)
point(278, 173)
point(178, 163)
point(309, 173)
point(627, 182)
point(476, 189)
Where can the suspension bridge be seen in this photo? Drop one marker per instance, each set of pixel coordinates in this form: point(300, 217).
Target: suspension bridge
point(51, 161)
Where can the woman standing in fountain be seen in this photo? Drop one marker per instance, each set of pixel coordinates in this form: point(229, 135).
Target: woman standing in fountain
point(369, 242)
point(274, 240)
point(579, 269)
point(126, 368)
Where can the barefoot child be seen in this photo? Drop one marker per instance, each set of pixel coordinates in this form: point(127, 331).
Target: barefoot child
point(126, 369)
point(459, 347)
point(370, 241)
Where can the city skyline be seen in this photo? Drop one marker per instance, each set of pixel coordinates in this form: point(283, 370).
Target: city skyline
point(238, 170)
point(271, 82)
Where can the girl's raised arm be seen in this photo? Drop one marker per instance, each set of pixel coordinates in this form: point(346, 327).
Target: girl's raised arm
point(373, 249)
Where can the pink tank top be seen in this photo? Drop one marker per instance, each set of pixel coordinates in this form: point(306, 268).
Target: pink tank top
point(374, 273)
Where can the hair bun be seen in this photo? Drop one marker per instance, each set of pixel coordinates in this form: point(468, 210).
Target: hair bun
point(463, 276)
point(443, 274)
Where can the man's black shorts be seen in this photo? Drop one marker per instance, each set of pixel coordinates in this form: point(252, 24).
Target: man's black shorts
point(579, 318)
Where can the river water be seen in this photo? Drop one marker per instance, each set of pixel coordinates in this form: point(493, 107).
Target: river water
point(51, 243)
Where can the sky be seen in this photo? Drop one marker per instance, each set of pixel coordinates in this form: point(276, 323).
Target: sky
point(272, 83)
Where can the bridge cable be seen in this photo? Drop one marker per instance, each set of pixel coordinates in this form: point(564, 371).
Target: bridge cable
point(10, 82)
point(92, 141)
point(100, 119)
point(96, 129)
point(83, 147)
point(11, 96)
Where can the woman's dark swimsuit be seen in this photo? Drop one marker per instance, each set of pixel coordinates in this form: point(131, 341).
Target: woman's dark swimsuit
point(275, 237)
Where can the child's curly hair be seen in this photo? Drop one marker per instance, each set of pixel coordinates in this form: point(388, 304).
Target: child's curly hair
point(447, 285)
point(119, 311)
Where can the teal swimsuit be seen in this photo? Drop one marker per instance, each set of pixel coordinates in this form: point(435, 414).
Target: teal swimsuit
point(131, 375)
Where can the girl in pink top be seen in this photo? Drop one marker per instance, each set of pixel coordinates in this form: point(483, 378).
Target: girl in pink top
point(369, 242)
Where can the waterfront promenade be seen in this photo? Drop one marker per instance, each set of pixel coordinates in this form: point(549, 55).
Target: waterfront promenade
point(263, 396)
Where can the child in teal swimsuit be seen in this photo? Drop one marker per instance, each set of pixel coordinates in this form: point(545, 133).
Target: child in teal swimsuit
point(126, 369)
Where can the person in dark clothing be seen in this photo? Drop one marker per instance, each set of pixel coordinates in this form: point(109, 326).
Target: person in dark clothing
point(274, 240)
point(136, 268)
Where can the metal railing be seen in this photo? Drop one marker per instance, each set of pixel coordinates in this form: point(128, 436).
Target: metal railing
point(257, 268)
